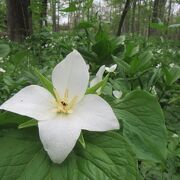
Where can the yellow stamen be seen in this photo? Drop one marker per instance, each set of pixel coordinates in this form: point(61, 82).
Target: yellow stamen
point(63, 105)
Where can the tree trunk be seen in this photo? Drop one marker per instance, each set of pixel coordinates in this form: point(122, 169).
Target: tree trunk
point(133, 17)
point(169, 15)
point(139, 18)
point(157, 14)
point(58, 16)
point(169, 12)
point(54, 14)
point(126, 7)
point(19, 19)
point(43, 20)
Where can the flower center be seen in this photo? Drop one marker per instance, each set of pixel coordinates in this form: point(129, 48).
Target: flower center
point(63, 105)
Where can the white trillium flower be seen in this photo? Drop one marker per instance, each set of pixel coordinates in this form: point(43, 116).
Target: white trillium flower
point(61, 119)
point(153, 90)
point(111, 68)
point(117, 94)
point(88, 66)
point(175, 135)
point(2, 70)
point(99, 76)
point(158, 65)
point(171, 65)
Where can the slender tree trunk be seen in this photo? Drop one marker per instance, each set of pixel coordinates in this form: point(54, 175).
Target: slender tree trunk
point(168, 16)
point(58, 18)
point(169, 12)
point(54, 14)
point(149, 18)
point(43, 20)
point(126, 7)
point(133, 17)
point(157, 14)
point(19, 19)
point(139, 17)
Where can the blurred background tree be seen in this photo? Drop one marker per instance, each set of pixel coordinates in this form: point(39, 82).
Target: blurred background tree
point(19, 19)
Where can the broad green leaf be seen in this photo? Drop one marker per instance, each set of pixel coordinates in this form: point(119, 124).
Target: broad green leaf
point(101, 34)
point(134, 51)
point(103, 49)
point(8, 118)
point(72, 7)
point(172, 74)
point(4, 50)
point(121, 63)
point(141, 63)
point(174, 26)
point(158, 26)
point(131, 50)
point(45, 82)
point(143, 125)
point(84, 25)
point(19, 57)
point(107, 156)
point(101, 84)
point(28, 124)
point(120, 39)
point(145, 60)
point(82, 141)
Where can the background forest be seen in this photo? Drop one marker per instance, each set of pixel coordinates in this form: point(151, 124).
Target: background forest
point(143, 38)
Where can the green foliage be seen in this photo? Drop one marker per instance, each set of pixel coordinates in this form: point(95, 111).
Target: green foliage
point(4, 50)
point(22, 156)
point(143, 125)
point(72, 7)
point(148, 77)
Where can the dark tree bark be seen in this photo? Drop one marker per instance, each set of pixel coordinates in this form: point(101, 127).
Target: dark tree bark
point(133, 17)
point(126, 7)
point(157, 14)
point(169, 12)
point(19, 19)
point(43, 20)
point(139, 17)
point(54, 14)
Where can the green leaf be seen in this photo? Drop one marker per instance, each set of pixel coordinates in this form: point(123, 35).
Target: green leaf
point(84, 25)
point(141, 63)
point(174, 26)
point(4, 50)
point(82, 141)
point(172, 74)
point(143, 125)
point(19, 57)
point(88, 4)
point(28, 124)
point(121, 63)
point(103, 49)
point(8, 118)
point(72, 7)
point(45, 82)
point(107, 156)
point(101, 84)
point(131, 50)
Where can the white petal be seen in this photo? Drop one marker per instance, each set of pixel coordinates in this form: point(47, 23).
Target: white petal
point(33, 101)
point(88, 67)
point(112, 68)
point(2, 70)
point(59, 136)
point(101, 72)
point(99, 76)
point(71, 74)
point(96, 114)
point(117, 94)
